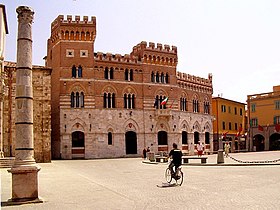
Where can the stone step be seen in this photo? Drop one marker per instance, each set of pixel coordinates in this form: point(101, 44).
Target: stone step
point(6, 162)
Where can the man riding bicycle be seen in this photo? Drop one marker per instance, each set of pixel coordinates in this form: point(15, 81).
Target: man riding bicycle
point(176, 155)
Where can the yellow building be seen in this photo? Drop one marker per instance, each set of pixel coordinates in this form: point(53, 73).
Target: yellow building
point(229, 123)
point(264, 120)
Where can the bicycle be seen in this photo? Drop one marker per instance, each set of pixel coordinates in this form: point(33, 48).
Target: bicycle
point(178, 176)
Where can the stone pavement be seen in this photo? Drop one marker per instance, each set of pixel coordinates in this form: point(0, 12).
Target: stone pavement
point(128, 183)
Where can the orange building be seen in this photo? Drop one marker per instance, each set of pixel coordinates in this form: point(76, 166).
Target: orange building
point(229, 123)
point(264, 120)
point(110, 105)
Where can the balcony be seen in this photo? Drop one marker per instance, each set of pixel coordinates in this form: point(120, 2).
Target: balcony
point(163, 113)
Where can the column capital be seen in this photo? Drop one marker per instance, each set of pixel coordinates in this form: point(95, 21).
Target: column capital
point(25, 14)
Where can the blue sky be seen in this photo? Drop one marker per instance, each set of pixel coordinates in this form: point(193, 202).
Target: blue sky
point(238, 41)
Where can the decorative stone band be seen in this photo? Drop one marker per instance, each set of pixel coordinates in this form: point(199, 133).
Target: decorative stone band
point(22, 123)
point(24, 67)
point(24, 148)
point(25, 97)
point(24, 38)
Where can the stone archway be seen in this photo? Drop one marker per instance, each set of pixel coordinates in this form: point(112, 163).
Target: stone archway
point(78, 144)
point(258, 142)
point(196, 137)
point(274, 141)
point(130, 142)
point(207, 138)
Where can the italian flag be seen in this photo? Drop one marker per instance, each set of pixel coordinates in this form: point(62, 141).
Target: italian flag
point(164, 101)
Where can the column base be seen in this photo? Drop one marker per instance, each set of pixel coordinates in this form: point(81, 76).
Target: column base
point(25, 184)
point(12, 202)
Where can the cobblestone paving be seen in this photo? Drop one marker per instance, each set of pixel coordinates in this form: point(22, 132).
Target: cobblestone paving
point(130, 184)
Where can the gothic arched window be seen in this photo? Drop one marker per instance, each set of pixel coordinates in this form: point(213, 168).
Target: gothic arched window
point(126, 74)
point(106, 73)
point(183, 104)
point(110, 138)
point(77, 100)
point(72, 100)
point(109, 100)
point(152, 77)
point(129, 102)
point(80, 71)
point(74, 73)
point(166, 78)
point(82, 99)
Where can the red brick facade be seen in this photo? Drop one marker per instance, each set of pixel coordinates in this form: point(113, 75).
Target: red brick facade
point(104, 104)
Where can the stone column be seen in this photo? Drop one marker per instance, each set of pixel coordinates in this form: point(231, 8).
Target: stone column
point(24, 171)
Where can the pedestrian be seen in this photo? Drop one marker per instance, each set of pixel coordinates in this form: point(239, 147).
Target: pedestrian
point(227, 148)
point(144, 153)
point(199, 148)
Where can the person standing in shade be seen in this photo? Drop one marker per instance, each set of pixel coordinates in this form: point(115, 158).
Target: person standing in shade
point(227, 148)
point(200, 149)
point(144, 153)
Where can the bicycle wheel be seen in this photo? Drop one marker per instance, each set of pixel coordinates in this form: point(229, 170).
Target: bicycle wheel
point(168, 175)
point(180, 178)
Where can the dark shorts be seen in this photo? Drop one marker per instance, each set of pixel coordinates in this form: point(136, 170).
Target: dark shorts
point(171, 165)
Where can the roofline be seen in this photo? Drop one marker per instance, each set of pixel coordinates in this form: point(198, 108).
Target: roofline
point(5, 17)
point(11, 64)
point(228, 100)
point(262, 93)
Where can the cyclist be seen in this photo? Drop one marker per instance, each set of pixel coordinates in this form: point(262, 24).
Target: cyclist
point(176, 155)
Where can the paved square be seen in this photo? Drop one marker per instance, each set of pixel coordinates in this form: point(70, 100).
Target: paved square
point(130, 184)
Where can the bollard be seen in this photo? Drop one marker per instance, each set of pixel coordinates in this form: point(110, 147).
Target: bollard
point(220, 157)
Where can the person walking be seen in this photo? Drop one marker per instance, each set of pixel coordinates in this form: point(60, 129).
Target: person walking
point(226, 149)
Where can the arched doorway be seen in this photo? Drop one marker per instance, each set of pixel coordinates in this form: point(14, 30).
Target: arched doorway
point(274, 141)
point(130, 142)
point(162, 138)
point(258, 143)
point(162, 141)
point(196, 137)
point(207, 138)
point(78, 144)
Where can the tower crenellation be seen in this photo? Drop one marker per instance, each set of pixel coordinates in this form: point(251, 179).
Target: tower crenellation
point(156, 53)
point(60, 20)
point(194, 79)
point(127, 58)
point(73, 28)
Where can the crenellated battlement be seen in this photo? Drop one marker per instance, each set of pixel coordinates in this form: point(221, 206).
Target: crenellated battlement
point(73, 29)
point(158, 54)
point(157, 48)
point(183, 77)
point(100, 56)
point(60, 20)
